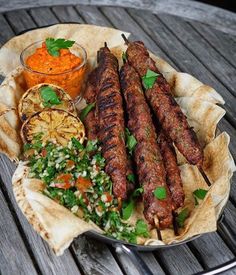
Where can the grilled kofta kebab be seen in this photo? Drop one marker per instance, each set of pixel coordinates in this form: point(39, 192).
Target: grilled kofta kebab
point(165, 108)
point(111, 121)
point(150, 168)
point(90, 95)
point(173, 178)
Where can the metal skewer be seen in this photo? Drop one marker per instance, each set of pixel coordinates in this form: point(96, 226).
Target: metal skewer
point(204, 176)
point(157, 224)
point(125, 39)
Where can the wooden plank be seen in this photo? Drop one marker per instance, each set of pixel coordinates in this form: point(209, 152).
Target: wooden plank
point(45, 258)
point(224, 125)
point(221, 42)
point(93, 16)
point(218, 18)
point(121, 20)
point(202, 50)
point(20, 20)
point(182, 57)
point(6, 31)
point(178, 260)
point(43, 17)
point(14, 257)
point(130, 268)
point(94, 257)
point(233, 189)
point(67, 14)
point(204, 247)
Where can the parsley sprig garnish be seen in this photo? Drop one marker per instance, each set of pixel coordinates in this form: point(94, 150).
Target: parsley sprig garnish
point(55, 45)
point(49, 97)
point(149, 79)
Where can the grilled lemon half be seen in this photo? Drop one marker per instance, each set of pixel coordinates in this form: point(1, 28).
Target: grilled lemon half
point(54, 125)
point(32, 102)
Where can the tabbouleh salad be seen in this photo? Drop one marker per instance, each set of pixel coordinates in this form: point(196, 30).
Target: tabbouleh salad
point(74, 176)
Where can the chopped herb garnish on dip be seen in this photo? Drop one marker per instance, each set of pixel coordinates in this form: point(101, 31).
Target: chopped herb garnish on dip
point(49, 97)
point(149, 79)
point(130, 141)
point(182, 216)
point(74, 176)
point(160, 193)
point(54, 45)
point(86, 110)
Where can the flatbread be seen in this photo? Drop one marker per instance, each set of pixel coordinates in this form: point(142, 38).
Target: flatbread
point(197, 100)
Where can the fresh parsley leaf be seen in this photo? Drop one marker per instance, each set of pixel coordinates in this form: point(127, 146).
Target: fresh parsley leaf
point(137, 192)
point(200, 193)
point(27, 146)
point(91, 146)
point(128, 210)
point(130, 141)
point(149, 79)
point(183, 215)
point(54, 45)
point(141, 228)
point(160, 193)
point(131, 178)
point(124, 57)
point(86, 110)
point(49, 97)
point(77, 144)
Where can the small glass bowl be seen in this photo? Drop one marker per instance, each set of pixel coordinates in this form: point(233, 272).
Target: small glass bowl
point(71, 80)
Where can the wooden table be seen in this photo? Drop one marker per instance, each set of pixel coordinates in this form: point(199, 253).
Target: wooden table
point(188, 45)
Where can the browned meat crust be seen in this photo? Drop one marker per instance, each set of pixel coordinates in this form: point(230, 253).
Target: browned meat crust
point(165, 107)
point(147, 156)
point(90, 95)
point(111, 121)
point(173, 177)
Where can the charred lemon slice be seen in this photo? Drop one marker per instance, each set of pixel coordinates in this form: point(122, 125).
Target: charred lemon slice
point(54, 125)
point(44, 96)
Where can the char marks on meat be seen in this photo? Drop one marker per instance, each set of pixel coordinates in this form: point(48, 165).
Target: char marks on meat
point(111, 121)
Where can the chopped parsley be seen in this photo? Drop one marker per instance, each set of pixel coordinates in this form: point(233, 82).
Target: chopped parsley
point(130, 141)
point(86, 110)
point(49, 97)
point(131, 178)
point(124, 57)
point(199, 194)
point(74, 177)
point(182, 216)
point(54, 45)
point(149, 79)
point(160, 193)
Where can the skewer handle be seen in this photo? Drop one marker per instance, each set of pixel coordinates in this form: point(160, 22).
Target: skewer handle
point(204, 176)
point(125, 39)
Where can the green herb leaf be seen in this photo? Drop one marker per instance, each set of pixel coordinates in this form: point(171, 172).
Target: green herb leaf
point(200, 193)
point(86, 110)
point(130, 141)
point(49, 97)
point(149, 79)
point(91, 146)
point(141, 228)
point(27, 146)
point(160, 193)
point(77, 144)
point(183, 215)
point(54, 45)
point(128, 210)
point(124, 57)
point(131, 178)
point(137, 192)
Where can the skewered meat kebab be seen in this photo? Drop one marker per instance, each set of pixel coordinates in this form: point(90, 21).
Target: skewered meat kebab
point(165, 108)
point(111, 121)
point(90, 95)
point(147, 156)
point(173, 178)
